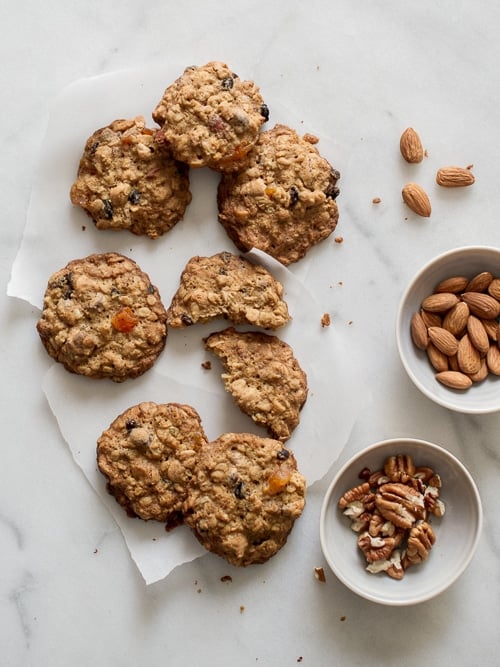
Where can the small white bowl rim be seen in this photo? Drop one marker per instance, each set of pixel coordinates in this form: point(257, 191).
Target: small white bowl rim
point(398, 443)
point(465, 409)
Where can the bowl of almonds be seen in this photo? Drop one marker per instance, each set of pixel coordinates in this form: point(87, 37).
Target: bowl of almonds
point(400, 521)
point(448, 329)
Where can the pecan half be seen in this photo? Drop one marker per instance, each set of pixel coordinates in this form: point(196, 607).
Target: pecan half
point(420, 541)
point(399, 503)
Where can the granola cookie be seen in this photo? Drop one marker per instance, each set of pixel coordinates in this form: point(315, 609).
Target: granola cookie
point(128, 179)
point(263, 376)
point(148, 455)
point(102, 317)
point(244, 497)
point(210, 117)
point(226, 285)
point(283, 202)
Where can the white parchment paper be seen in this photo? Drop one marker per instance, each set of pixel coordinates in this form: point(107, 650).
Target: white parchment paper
point(57, 232)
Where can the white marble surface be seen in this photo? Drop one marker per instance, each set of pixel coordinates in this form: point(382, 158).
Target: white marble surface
point(357, 73)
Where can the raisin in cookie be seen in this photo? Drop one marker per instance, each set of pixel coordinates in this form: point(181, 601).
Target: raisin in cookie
point(148, 455)
point(244, 497)
point(263, 376)
point(128, 179)
point(283, 202)
point(210, 117)
point(102, 317)
point(226, 285)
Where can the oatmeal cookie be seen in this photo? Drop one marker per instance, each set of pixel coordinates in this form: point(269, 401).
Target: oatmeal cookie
point(283, 202)
point(102, 317)
point(226, 285)
point(263, 376)
point(148, 455)
point(128, 179)
point(244, 497)
point(210, 117)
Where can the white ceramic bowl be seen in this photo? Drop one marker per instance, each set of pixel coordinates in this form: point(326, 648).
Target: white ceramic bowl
point(457, 532)
point(482, 397)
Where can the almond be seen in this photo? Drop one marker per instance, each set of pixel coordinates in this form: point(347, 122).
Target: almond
point(439, 361)
point(454, 177)
point(493, 359)
point(455, 284)
point(482, 373)
point(477, 334)
point(480, 282)
point(494, 288)
point(468, 357)
point(482, 305)
point(453, 363)
point(431, 319)
point(419, 331)
point(455, 320)
point(443, 340)
point(411, 146)
point(491, 328)
point(440, 303)
point(454, 379)
point(416, 198)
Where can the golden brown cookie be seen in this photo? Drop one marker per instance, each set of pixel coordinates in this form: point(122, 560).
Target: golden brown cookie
point(210, 117)
point(148, 455)
point(128, 179)
point(102, 317)
point(225, 285)
point(244, 497)
point(283, 202)
point(263, 376)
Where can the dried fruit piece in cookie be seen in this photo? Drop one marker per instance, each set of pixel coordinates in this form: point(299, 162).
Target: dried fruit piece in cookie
point(283, 202)
point(102, 317)
point(128, 179)
point(210, 117)
point(148, 455)
point(226, 285)
point(263, 376)
point(244, 497)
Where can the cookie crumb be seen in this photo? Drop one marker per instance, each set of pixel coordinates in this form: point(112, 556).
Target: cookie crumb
point(339, 239)
point(207, 365)
point(342, 618)
point(376, 200)
point(326, 320)
point(242, 608)
point(299, 659)
point(96, 550)
point(319, 574)
point(226, 577)
point(84, 227)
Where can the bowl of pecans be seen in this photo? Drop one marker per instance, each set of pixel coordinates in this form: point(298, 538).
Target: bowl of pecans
point(448, 330)
point(400, 521)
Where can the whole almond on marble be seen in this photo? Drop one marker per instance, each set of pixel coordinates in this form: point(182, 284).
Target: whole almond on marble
point(410, 146)
point(468, 357)
point(418, 330)
point(417, 199)
point(454, 177)
point(443, 340)
point(455, 320)
point(493, 359)
point(438, 360)
point(454, 379)
point(455, 284)
point(439, 303)
point(482, 305)
point(494, 288)
point(480, 282)
point(477, 334)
